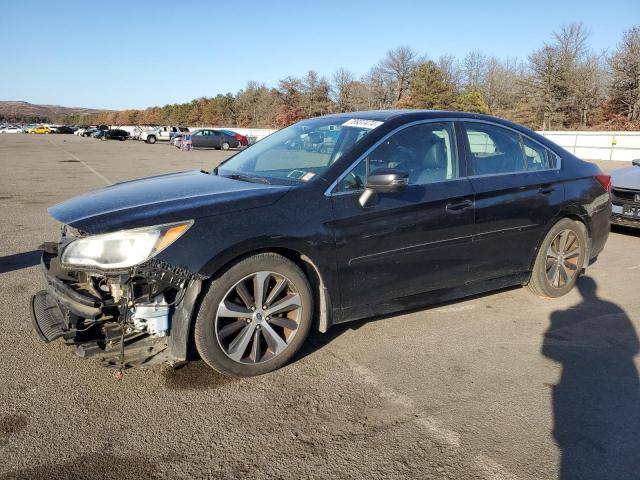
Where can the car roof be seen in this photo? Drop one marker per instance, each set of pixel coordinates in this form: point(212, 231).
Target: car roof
point(385, 115)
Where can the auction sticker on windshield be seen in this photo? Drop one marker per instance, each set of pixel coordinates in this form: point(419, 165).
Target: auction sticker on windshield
point(361, 123)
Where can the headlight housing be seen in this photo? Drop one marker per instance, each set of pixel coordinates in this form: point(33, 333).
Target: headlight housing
point(122, 249)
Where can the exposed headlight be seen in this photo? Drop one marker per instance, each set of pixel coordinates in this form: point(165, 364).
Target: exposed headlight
point(122, 249)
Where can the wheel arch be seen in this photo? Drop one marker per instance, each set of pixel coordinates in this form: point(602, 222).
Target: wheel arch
point(181, 341)
point(317, 280)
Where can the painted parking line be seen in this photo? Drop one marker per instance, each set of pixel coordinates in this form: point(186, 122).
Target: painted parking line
point(487, 467)
point(79, 160)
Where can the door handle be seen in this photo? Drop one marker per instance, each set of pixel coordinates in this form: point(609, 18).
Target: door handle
point(546, 189)
point(458, 207)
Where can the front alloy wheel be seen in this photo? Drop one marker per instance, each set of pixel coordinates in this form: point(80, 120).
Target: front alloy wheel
point(254, 316)
point(258, 317)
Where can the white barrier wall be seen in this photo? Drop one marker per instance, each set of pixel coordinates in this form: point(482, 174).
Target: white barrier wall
point(621, 146)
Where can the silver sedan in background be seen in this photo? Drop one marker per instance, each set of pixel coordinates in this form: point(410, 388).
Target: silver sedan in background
point(626, 195)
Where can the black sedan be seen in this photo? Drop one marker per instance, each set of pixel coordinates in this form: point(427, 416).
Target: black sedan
point(407, 209)
point(112, 134)
point(65, 130)
point(207, 138)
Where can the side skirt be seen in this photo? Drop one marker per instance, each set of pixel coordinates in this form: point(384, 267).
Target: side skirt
point(429, 298)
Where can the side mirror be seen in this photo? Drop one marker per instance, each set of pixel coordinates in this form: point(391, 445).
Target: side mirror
point(384, 180)
point(636, 162)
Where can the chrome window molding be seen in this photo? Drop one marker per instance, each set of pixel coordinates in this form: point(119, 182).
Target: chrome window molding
point(328, 192)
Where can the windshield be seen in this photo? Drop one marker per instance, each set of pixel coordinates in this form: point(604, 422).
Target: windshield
point(300, 152)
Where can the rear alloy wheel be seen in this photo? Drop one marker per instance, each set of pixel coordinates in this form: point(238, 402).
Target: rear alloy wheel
point(560, 259)
point(225, 146)
point(254, 317)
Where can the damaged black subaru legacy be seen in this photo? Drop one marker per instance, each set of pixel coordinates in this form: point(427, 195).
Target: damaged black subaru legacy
point(333, 219)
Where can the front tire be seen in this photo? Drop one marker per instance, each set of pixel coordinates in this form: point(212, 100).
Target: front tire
point(254, 317)
point(560, 259)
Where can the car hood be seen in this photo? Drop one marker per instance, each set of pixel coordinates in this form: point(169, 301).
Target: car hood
point(162, 199)
point(626, 178)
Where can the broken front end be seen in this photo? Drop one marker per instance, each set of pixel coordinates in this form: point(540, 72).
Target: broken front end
point(107, 296)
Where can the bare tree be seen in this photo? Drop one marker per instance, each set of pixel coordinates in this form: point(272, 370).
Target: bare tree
point(502, 86)
point(398, 66)
point(474, 68)
point(380, 92)
point(624, 88)
point(342, 83)
point(450, 69)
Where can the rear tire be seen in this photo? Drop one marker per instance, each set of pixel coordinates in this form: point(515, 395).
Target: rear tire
point(151, 140)
point(225, 146)
point(228, 313)
point(560, 259)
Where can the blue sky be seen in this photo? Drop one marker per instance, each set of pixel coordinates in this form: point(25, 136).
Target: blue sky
point(136, 54)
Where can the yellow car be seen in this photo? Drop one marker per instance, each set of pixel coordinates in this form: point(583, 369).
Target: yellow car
point(40, 129)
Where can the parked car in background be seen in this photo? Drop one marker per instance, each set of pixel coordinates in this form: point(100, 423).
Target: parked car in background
point(409, 209)
point(112, 134)
point(161, 134)
point(29, 127)
point(244, 141)
point(65, 130)
point(625, 193)
point(90, 132)
point(11, 129)
point(209, 138)
point(40, 130)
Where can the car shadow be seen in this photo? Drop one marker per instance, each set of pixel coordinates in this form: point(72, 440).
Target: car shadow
point(19, 261)
point(596, 404)
point(634, 232)
point(318, 340)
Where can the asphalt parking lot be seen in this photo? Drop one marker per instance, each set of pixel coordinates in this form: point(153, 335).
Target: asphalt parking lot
point(501, 386)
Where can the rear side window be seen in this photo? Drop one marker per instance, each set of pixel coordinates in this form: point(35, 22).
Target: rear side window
point(537, 157)
point(493, 149)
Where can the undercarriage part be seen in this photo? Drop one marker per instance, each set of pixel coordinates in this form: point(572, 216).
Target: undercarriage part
point(152, 318)
point(141, 349)
point(47, 318)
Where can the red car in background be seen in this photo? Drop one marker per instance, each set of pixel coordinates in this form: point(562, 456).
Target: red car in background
point(241, 138)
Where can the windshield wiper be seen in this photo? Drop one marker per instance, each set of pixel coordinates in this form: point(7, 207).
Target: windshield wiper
point(248, 178)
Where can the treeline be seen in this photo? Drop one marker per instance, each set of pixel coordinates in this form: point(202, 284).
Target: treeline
point(563, 84)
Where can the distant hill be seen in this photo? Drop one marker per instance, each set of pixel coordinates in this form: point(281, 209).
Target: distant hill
point(18, 110)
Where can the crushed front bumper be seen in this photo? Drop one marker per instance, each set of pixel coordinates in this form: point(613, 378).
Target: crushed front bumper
point(97, 325)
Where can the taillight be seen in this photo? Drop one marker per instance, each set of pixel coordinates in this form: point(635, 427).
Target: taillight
point(604, 180)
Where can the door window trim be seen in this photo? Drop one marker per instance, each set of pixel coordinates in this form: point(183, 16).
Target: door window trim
point(557, 157)
point(329, 193)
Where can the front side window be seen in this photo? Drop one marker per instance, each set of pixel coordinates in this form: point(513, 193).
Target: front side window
point(298, 153)
point(493, 149)
point(426, 152)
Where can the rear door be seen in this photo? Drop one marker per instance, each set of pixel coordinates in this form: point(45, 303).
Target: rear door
point(411, 241)
point(217, 139)
point(516, 193)
point(198, 139)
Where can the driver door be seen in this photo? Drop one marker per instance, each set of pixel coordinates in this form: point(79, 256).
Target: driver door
point(411, 241)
